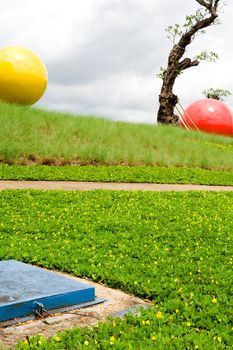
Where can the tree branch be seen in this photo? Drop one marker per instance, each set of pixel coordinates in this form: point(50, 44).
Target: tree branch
point(211, 5)
point(187, 63)
point(179, 49)
point(186, 38)
point(205, 4)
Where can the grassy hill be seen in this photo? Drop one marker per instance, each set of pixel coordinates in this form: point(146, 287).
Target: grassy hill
point(34, 136)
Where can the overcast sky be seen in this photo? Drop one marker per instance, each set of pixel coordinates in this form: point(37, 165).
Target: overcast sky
point(102, 56)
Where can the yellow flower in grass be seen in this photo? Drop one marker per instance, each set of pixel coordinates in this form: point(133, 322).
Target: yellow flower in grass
point(159, 315)
point(219, 339)
point(214, 300)
point(112, 340)
point(143, 322)
point(56, 338)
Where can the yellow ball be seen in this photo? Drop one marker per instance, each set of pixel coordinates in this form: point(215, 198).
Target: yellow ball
point(23, 76)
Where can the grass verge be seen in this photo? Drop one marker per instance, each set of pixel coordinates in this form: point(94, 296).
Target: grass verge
point(117, 174)
point(177, 251)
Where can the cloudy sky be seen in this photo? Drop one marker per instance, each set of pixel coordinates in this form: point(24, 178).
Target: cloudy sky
point(102, 56)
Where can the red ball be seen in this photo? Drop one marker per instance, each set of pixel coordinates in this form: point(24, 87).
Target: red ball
point(209, 115)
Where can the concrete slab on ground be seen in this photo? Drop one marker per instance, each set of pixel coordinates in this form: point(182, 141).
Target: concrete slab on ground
point(117, 302)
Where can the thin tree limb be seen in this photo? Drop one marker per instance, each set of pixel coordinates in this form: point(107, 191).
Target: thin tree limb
point(187, 63)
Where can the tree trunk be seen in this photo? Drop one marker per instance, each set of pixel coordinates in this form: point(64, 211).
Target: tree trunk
point(167, 100)
point(167, 103)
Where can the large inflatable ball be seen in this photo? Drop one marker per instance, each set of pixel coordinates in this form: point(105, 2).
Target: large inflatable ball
point(23, 76)
point(209, 115)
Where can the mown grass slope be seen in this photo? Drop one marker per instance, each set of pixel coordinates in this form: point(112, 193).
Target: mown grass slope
point(29, 136)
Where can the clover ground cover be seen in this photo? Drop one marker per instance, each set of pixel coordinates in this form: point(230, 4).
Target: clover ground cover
point(172, 248)
point(117, 174)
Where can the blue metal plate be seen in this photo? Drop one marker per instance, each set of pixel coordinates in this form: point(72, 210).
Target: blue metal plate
point(23, 285)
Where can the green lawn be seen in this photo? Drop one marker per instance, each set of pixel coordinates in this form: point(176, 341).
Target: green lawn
point(33, 136)
point(172, 248)
point(117, 174)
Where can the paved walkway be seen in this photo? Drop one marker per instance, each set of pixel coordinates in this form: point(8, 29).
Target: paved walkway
point(88, 186)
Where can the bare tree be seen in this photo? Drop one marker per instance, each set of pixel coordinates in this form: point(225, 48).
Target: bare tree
point(181, 37)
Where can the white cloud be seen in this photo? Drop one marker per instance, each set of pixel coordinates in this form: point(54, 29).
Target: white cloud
point(103, 56)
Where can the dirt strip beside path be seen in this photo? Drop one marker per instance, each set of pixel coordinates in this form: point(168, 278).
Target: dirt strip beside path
point(88, 186)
